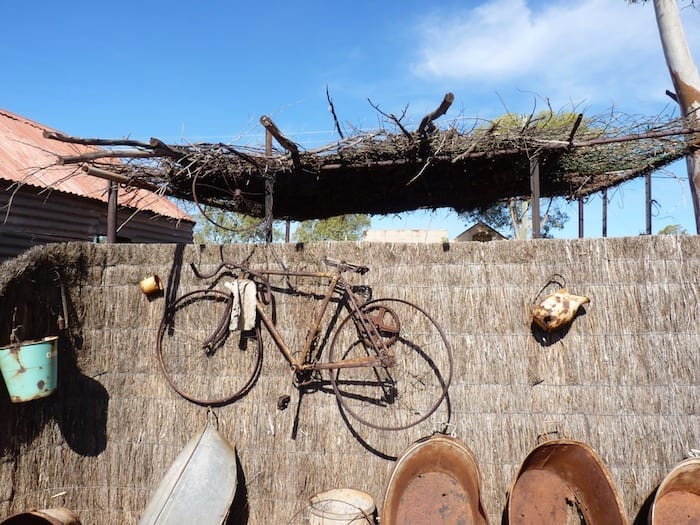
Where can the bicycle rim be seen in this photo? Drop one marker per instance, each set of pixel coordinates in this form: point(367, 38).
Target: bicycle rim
point(214, 376)
point(399, 396)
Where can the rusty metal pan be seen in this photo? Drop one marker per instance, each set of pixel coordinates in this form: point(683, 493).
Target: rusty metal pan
point(54, 516)
point(436, 481)
point(564, 482)
point(677, 500)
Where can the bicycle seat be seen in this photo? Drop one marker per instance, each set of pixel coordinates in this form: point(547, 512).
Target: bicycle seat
point(345, 266)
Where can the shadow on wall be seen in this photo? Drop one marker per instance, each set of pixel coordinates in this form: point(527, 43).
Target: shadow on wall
point(36, 305)
point(240, 511)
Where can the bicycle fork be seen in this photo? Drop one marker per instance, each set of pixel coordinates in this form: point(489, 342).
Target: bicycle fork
point(376, 337)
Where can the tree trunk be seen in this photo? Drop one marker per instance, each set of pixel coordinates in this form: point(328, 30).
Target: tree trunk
point(686, 82)
point(518, 215)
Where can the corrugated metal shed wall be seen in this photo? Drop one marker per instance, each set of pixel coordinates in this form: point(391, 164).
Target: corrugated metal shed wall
point(30, 218)
point(27, 157)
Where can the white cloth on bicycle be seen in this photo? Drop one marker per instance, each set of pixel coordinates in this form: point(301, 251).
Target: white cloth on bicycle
point(243, 308)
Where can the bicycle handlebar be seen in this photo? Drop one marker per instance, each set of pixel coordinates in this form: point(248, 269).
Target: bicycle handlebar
point(264, 288)
point(345, 266)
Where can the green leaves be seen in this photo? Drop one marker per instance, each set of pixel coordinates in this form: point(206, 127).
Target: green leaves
point(341, 228)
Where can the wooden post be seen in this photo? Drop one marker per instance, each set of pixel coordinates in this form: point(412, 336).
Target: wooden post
point(287, 144)
point(580, 218)
point(535, 192)
point(268, 142)
point(268, 191)
point(113, 192)
point(647, 186)
point(269, 188)
point(605, 212)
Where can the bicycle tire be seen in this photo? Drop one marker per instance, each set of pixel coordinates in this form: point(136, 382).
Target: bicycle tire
point(212, 377)
point(399, 396)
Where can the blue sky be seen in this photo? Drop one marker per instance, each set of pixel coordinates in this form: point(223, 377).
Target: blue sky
point(206, 71)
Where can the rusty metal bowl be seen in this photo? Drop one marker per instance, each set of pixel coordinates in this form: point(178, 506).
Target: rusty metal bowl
point(677, 500)
point(436, 481)
point(564, 482)
point(55, 516)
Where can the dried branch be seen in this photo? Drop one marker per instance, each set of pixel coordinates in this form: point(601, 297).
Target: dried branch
point(557, 144)
point(283, 141)
point(610, 149)
point(393, 118)
point(103, 154)
point(492, 128)
point(427, 121)
point(54, 135)
point(117, 177)
point(574, 129)
point(335, 117)
point(161, 149)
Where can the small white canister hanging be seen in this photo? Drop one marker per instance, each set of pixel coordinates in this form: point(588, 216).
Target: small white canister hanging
point(556, 309)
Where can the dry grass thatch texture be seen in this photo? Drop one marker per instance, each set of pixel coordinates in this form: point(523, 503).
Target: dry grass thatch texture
point(470, 164)
point(621, 378)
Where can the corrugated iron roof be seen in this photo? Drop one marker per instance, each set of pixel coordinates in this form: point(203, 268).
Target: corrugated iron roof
point(27, 157)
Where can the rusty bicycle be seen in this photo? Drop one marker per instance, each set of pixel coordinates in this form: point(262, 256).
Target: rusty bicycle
point(389, 362)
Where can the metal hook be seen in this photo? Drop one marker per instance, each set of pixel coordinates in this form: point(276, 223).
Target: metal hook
point(212, 418)
point(448, 429)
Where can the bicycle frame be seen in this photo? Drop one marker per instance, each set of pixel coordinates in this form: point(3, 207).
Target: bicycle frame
point(375, 354)
point(303, 362)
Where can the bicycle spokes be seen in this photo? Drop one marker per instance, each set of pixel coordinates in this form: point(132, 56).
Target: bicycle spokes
point(413, 370)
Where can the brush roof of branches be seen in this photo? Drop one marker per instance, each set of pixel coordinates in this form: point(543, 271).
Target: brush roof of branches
point(392, 169)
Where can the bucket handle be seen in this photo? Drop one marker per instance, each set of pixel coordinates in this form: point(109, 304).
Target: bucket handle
point(551, 280)
point(553, 429)
point(212, 418)
point(362, 514)
point(15, 339)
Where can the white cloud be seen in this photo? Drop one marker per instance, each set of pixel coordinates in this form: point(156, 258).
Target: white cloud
point(593, 49)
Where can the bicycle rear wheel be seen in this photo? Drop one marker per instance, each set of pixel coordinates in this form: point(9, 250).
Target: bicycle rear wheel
point(207, 375)
point(402, 394)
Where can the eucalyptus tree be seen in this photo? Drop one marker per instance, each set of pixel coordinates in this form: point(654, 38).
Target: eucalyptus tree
point(685, 78)
point(341, 228)
point(511, 217)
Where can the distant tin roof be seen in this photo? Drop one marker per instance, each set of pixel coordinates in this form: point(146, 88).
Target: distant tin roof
point(26, 157)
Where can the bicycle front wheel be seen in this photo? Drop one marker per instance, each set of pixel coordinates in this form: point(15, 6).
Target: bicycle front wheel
point(207, 373)
point(417, 374)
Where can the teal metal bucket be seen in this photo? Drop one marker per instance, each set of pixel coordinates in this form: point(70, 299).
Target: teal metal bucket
point(30, 369)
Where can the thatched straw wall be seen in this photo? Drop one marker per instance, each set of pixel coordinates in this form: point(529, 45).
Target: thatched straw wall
point(624, 378)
